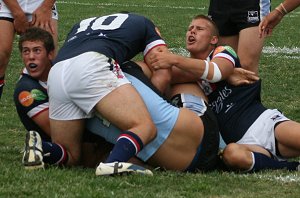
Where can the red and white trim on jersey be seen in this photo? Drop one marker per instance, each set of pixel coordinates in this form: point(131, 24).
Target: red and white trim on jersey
point(152, 45)
point(38, 109)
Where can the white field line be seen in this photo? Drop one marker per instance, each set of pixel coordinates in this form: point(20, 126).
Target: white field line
point(292, 177)
point(128, 5)
point(269, 51)
point(281, 178)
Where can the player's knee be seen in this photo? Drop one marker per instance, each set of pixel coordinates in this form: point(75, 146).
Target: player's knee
point(232, 155)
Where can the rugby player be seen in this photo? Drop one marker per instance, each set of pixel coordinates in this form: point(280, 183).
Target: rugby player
point(32, 103)
point(258, 138)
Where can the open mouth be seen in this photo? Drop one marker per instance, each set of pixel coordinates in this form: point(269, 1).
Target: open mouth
point(191, 39)
point(32, 65)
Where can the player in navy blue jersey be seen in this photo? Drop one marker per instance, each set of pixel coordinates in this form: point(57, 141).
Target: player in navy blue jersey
point(32, 103)
point(86, 78)
point(258, 138)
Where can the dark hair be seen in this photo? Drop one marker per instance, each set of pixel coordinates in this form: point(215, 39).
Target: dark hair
point(214, 25)
point(37, 34)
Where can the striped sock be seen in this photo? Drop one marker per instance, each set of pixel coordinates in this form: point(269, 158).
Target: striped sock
point(127, 145)
point(54, 153)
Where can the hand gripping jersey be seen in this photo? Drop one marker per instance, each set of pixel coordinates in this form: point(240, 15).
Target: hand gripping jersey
point(118, 36)
point(31, 98)
point(236, 107)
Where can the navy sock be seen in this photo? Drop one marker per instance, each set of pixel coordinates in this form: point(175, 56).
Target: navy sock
point(54, 153)
point(127, 145)
point(262, 161)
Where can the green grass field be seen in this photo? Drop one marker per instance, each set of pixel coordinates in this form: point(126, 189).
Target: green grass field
point(279, 69)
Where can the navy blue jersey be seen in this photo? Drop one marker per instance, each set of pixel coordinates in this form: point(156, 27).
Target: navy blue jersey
point(236, 107)
point(31, 98)
point(118, 36)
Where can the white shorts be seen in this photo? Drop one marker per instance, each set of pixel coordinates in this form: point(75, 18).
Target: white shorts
point(28, 7)
point(77, 84)
point(262, 133)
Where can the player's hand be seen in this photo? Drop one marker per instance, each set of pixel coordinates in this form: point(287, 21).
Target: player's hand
point(42, 18)
point(161, 60)
point(242, 76)
point(267, 25)
point(20, 23)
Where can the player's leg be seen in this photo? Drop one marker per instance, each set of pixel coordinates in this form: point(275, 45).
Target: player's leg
point(287, 135)
point(249, 48)
point(125, 108)
point(6, 41)
point(54, 23)
point(68, 134)
point(232, 41)
point(250, 158)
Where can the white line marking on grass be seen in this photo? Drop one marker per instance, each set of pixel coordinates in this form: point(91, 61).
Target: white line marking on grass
point(285, 52)
point(129, 5)
point(281, 178)
point(281, 50)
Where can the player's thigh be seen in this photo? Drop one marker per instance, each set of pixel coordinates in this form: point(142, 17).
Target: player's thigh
point(287, 135)
point(125, 108)
point(7, 33)
point(68, 133)
point(232, 41)
point(250, 45)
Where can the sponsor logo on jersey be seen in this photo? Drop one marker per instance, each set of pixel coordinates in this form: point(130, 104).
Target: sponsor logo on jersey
point(229, 50)
point(26, 98)
point(218, 104)
point(252, 17)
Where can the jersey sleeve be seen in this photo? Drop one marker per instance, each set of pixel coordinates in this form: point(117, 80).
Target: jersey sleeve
point(228, 53)
point(153, 38)
point(30, 97)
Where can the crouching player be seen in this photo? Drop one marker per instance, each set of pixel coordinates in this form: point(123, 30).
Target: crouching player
point(31, 99)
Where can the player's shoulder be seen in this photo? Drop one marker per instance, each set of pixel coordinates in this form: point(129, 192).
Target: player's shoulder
point(225, 49)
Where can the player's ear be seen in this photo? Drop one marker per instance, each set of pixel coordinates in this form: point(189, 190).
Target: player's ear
point(214, 40)
point(51, 55)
